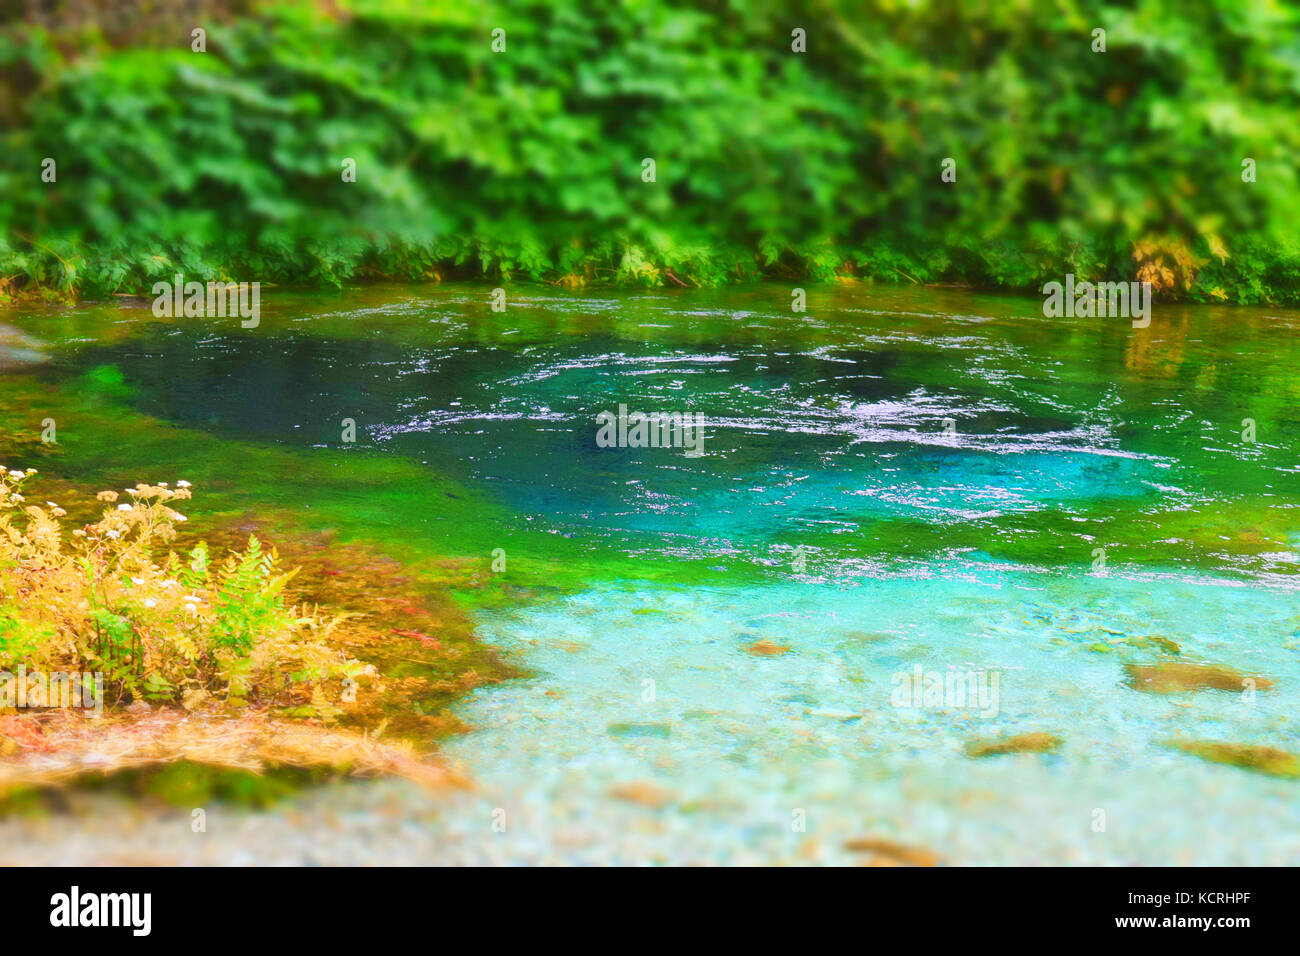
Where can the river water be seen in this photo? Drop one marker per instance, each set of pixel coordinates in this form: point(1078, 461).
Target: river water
point(896, 486)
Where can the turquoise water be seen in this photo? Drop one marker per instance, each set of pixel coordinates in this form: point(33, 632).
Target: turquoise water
point(897, 479)
point(748, 742)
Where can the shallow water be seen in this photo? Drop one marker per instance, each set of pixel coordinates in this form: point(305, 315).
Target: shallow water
point(894, 480)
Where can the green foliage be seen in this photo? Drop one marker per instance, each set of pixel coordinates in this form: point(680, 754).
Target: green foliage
point(19, 641)
point(527, 163)
point(248, 599)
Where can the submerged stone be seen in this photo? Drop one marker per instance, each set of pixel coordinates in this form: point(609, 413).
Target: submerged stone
point(889, 853)
point(639, 730)
point(766, 648)
point(1174, 677)
point(1033, 743)
point(1266, 760)
point(644, 793)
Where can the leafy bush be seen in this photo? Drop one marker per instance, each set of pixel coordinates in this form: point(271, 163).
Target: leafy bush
point(527, 163)
point(159, 628)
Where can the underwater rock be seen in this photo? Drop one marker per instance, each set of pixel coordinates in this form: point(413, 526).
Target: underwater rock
point(643, 793)
point(1266, 760)
point(1034, 743)
point(639, 730)
point(766, 648)
point(1174, 677)
point(889, 853)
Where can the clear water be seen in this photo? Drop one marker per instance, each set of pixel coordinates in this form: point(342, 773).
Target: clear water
point(895, 479)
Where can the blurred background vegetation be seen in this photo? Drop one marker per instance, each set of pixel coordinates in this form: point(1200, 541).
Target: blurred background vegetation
point(528, 163)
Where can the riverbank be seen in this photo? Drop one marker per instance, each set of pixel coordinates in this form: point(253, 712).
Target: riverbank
point(1245, 272)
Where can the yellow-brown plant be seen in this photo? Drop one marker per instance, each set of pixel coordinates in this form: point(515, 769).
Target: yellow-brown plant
point(162, 628)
